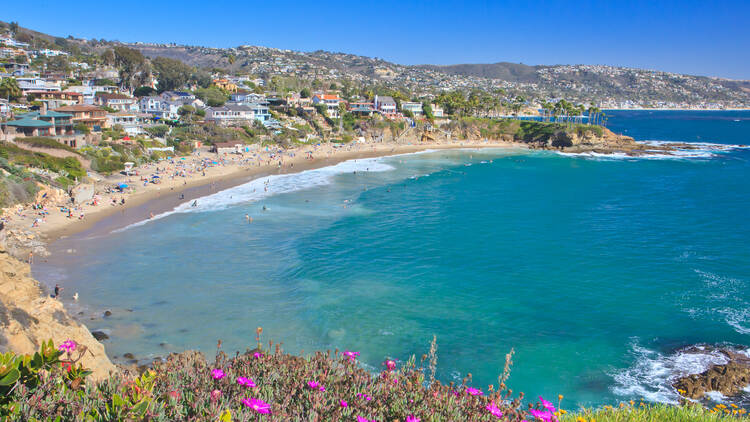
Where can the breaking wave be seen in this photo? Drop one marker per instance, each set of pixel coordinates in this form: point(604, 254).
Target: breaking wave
point(695, 150)
point(265, 187)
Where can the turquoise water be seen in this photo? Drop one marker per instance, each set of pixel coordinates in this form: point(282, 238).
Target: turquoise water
point(596, 271)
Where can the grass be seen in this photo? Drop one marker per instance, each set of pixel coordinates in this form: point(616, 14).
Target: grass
point(69, 168)
point(41, 142)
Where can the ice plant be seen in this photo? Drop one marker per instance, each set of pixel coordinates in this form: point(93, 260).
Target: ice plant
point(494, 410)
point(257, 404)
point(547, 405)
point(247, 382)
point(351, 355)
point(542, 415)
point(412, 418)
point(217, 374)
point(67, 346)
point(474, 391)
point(257, 355)
point(390, 364)
point(343, 403)
point(215, 394)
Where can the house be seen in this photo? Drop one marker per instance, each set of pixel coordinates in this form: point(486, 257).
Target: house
point(170, 110)
point(177, 96)
point(385, 104)
point(4, 107)
point(412, 106)
point(36, 84)
point(225, 84)
point(150, 104)
point(229, 113)
point(93, 117)
point(51, 123)
point(51, 53)
point(55, 99)
point(131, 122)
point(437, 111)
point(119, 102)
point(330, 101)
point(362, 108)
point(248, 97)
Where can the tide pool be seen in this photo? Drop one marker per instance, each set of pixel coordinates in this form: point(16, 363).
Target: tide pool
point(595, 270)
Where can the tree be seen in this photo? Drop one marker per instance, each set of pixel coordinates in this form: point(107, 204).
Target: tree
point(212, 96)
point(144, 91)
point(305, 93)
point(158, 131)
point(427, 111)
point(10, 90)
point(108, 57)
point(133, 66)
point(201, 78)
point(13, 28)
point(172, 73)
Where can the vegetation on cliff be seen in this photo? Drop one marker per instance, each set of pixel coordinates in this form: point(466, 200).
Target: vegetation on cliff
point(267, 384)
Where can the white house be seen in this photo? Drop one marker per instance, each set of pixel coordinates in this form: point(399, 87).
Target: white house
point(229, 113)
point(385, 105)
point(330, 101)
point(414, 107)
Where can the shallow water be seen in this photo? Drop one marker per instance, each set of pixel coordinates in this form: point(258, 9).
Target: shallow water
point(594, 269)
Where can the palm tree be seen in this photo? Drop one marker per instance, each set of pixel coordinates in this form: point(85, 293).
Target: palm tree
point(10, 90)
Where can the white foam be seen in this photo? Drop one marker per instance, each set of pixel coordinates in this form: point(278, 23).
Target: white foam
point(265, 187)
point(695, 150)
point(652, 374)
point(716, 396)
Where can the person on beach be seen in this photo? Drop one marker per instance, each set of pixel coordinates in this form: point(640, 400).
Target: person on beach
point(31, 257)
point(248, 218)
point(58, 289)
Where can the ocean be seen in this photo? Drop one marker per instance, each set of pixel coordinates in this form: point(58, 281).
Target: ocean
point(596, 270)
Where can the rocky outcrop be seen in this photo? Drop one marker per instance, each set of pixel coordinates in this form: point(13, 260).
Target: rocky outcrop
point(28, 317)
point(729, 379)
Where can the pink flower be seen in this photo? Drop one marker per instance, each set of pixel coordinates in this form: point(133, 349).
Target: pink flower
point(215, 394)
point(390, 365)
point(541, 415)
point(343, 403)
point(474, 391)
point(67, 346)
point(494, 410)
point(258, 405)
point(361, 419)
point(217, 374)
point(351, 355)
point(547, 404)
point(313, 385)
point(174, 394)
point(257, 355)
point(412, 418)
point(395, 380)
point(247, 382)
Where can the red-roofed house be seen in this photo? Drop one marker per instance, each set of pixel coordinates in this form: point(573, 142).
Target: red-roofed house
point(330, 101)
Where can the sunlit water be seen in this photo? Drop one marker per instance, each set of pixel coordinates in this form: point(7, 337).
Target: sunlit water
point(594, 270)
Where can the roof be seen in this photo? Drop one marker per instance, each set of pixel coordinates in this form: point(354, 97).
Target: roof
point(79, 107)
point(113, 96)
point(328, 97)
point(386, 100)
point(29, 123)
point(50, 113)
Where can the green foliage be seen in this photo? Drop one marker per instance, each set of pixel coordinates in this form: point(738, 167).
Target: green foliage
point(212, 96)
point(305, 93)
point(427, 111)
point(172, 73)
point(144, 91)
point(81, 127)
point(69, 167)
point(644, 412)
point(9, 89)
point(104, 82)
point(40, 142)
point(158, 131)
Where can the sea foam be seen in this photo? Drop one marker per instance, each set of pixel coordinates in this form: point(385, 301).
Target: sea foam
point(264, 187)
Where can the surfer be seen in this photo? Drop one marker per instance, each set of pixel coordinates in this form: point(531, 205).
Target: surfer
point(194, 204)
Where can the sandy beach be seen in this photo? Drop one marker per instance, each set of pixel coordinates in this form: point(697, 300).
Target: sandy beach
point(185, 178)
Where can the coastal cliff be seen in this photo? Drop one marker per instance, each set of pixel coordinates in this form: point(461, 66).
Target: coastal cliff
point(28, 317)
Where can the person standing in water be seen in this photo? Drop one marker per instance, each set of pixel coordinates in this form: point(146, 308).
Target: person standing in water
point(58, 289)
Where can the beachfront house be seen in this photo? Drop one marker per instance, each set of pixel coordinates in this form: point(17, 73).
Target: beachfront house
point(362, 108)
point(93, 117)
point(228, 148)
point(437, 111)
point(413, 107)
point(132, 122)
point(229, 114)
point(385, 105)
point(49, 124)
point(55, 99)
point(330, 101)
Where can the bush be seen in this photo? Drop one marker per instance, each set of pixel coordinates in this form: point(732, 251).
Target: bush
point(40, 142)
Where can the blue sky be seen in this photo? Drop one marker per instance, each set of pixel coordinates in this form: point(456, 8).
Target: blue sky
point(703, 38)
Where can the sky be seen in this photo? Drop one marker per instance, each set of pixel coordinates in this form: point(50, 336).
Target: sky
point(709, 38)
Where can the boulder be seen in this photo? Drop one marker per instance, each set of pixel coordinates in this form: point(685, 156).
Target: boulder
point(729, 379)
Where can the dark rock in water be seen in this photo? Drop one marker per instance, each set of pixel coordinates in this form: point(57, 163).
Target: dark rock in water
point(129, 310)
point(183, 330)
point(128, 356)
point(80, 313)
point(729, 379)
point(99, 335)
point(107, 313)
point(162, 344)
point(133, 361)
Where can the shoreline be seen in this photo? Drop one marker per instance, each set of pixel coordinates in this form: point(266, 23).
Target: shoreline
point(154, 200)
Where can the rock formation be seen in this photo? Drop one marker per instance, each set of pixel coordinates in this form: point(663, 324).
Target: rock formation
point(729, 379)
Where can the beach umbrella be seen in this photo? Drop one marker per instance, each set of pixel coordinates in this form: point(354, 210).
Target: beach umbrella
point(122, 186)
point(155, 176)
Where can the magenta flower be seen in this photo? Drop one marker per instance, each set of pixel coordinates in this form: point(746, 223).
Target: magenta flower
point(67, 346)
point(390, 365)
point(494, 410)
point(351, 355)
point(412, 418)
point(215, 394)
point(247, 382)
point(547, 404)
point(258, 405)
point(217, 374)
point(474, 391)
point(257, 355)
point(343, 403)
point(361, 419)
point(541, 415)
point(313, 385)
